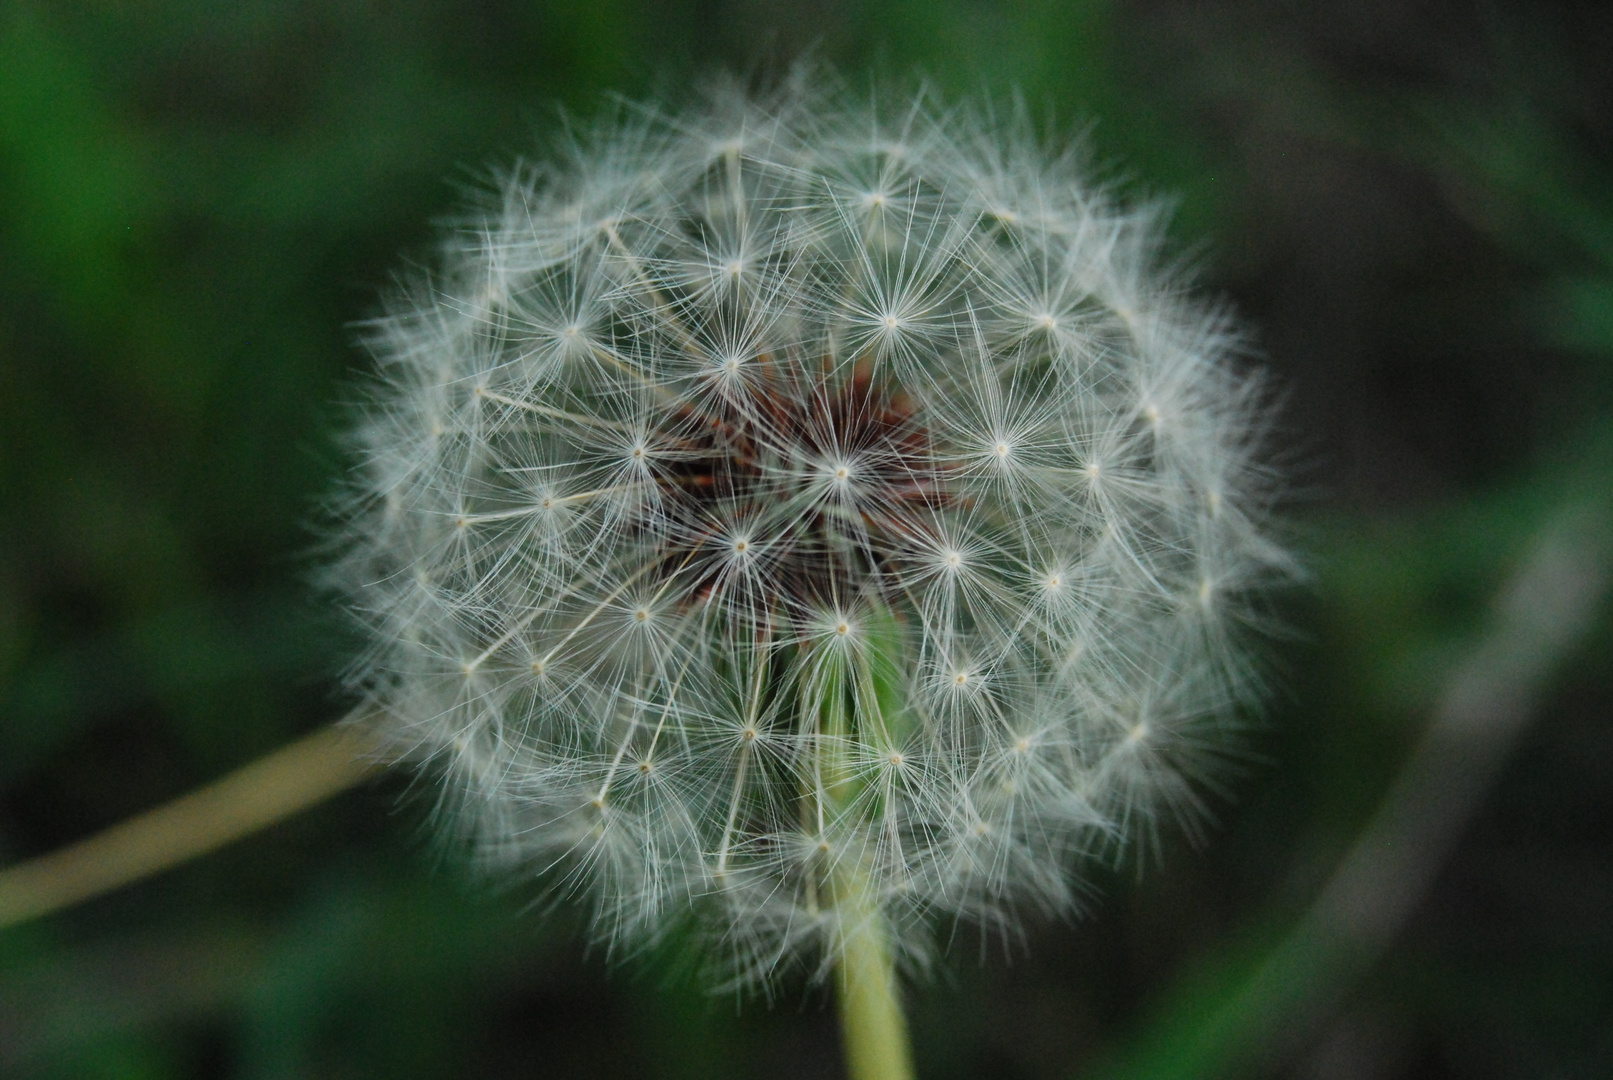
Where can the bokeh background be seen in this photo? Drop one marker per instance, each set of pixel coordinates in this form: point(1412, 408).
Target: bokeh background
point(1410, 200)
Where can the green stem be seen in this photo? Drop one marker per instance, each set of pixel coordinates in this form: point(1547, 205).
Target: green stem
point(871, 1022)
point(859, 700)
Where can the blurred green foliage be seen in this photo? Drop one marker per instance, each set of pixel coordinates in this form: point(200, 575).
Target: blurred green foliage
point(1414, 201)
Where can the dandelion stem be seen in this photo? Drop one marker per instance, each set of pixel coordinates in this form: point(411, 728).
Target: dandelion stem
point(256, 795)
point(872, 1026)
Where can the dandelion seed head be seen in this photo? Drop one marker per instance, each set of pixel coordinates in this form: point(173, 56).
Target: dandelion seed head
point(792, 488)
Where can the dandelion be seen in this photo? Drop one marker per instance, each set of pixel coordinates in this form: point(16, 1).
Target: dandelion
point(810, 520)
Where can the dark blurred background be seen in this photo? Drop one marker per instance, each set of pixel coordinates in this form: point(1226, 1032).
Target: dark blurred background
point(1410, 200)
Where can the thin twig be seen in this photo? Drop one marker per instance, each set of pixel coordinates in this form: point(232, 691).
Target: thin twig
point(1259, 1017)
point(274, 787)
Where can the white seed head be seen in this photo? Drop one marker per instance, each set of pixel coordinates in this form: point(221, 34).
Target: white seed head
point(793, 488)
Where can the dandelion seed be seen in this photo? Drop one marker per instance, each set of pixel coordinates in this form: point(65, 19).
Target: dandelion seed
point(817, 496)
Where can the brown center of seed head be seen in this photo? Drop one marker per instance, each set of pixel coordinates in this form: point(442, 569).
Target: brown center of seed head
point(821, 479)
